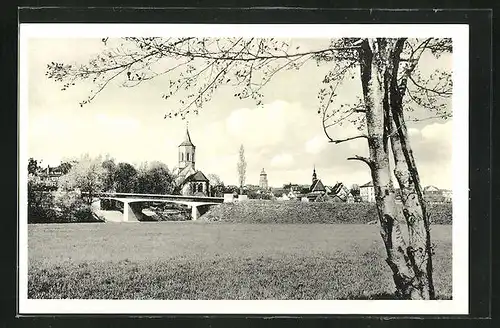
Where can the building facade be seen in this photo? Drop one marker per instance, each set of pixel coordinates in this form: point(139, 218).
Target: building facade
point(367, 192)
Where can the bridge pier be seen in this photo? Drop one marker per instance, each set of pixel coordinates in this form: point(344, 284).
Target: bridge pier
point(128, 213)
point(195, 213)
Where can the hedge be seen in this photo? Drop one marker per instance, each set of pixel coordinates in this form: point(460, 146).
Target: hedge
point(262, 211)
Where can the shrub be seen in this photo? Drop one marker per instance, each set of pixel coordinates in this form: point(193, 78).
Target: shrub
point(171, 212)
point(61, 207)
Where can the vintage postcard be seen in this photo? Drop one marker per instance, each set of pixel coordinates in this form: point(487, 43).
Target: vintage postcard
point(243, 169)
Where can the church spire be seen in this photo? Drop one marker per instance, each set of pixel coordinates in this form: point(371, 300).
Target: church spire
point(314, 176)
point(187, 138)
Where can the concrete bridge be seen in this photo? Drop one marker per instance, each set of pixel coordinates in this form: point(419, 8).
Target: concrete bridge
point(126, 201)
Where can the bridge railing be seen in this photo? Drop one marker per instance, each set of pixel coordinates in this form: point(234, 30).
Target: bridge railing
point(158, 196)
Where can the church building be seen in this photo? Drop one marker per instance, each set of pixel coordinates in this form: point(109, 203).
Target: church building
point(317, 191)
point(317, 186)
point(190, 181)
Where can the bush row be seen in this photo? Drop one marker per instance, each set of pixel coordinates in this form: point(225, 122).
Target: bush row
point(261, 211)
point(60, 207)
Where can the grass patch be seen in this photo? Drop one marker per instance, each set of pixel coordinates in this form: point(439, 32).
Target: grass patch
point(195, 260)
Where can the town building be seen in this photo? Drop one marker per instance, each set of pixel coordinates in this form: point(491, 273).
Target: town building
point(191, 182)
point(367, 192)
point(340, 191)
point(50, 176)
point(433, 194)
point(263, 180)
point(51, 173)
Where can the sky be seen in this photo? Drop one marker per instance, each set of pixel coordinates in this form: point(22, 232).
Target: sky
point(284, 136)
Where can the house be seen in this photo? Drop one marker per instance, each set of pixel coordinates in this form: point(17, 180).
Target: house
point(190, 181)
point(50, 176)
point(341, 191)
point(293, 191)
point(433, 194)
point(51, 173)
point(447, 194)
point(367, 192)
point(283, 197)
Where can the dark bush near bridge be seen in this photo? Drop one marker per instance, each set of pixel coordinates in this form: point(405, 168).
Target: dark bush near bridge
point(170, 212)
point(261, 211)
point(60, 207)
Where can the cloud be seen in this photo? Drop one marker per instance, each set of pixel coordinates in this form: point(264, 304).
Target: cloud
point(413, 132)
point(438, 131)
point(316, 144)
point(262, 126)
point(282, 161)
point(432, 146)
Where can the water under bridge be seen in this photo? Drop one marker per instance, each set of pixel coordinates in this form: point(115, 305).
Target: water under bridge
point(129, 204)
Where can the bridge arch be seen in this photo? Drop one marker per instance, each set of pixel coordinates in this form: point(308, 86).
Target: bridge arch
point(131, 213)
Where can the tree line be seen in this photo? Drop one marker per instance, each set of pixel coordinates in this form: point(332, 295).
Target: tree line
point(69, 194)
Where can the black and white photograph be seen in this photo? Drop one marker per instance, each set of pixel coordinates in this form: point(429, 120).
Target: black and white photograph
point(186, 168)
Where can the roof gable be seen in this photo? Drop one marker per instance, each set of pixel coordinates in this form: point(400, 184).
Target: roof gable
point(368, 184)
point(431, 188)
point(318, 186)
point(198, 176)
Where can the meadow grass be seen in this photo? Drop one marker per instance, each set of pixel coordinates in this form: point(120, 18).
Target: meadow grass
point(196, 260)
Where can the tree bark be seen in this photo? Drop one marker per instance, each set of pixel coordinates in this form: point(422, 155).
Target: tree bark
point(419, 250)
point(374, 63)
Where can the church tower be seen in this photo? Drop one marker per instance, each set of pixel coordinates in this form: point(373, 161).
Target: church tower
point(186, 152)
point(263, 180)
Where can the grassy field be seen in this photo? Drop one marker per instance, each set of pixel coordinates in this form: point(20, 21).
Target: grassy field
point(196, 260)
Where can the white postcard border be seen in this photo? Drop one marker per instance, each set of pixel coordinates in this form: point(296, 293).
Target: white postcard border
point(460, 229)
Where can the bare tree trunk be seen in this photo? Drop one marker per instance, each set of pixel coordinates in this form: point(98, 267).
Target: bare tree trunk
point(419, 250)
point(412, 211)
point(375, 57)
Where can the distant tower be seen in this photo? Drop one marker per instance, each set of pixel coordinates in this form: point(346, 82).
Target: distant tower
point(263, 180)
point(315, 178)
point(186, 152)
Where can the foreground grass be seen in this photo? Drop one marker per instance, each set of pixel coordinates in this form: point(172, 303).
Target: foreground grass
point(193, 260)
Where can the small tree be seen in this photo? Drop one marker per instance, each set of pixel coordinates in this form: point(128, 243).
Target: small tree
point(125, 178)
point(109, 166)
point(40, 199)
point(242, 169)
point(216, 185)
point(65, 167)
point(33, 166)
point(155, 178)
point(85, 176)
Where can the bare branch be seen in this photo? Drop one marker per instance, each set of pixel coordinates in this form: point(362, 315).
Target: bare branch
point(348, 139)
point(365, 160)
point(441, 93)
